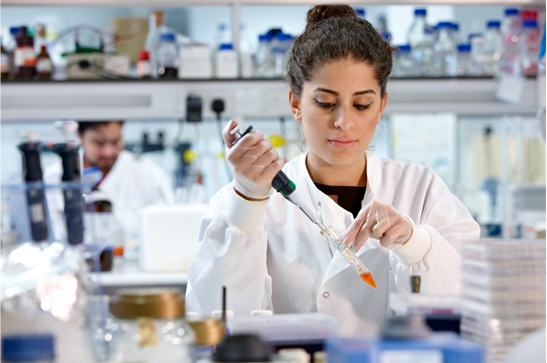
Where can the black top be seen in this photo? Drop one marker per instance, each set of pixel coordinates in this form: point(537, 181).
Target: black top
point(349, 198)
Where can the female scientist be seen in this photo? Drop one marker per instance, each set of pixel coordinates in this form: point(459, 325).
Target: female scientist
point(400, 217)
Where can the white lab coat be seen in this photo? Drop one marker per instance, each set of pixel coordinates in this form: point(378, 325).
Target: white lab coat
point(130, 185)
point(270, 256)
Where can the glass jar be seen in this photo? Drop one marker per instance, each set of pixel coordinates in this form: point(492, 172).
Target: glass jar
point(208, 334)
point(150, 327)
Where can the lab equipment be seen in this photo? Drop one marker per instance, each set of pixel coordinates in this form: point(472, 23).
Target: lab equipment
point(226, 65)
point(263, 58)
point(286, 327)
point(44, 291)
point(208, 334)
point(511, 29)
point(167, 57)
point(404, 65)
point(24, 57)
point(152, 44)
point(170, 237)
point(503, 292)
point(445, 57)
point(242, 348)
point(69, 152)
point(529, 42)
point(420, 38)
point(150, 327)
point(465, 62)
point(286, 187)
point(4, 62)
point(195, 61)
point(35, 193)
point(438, 348)
point(144, 68)
point(44, 67)
point(492, 48)
point(28, 348)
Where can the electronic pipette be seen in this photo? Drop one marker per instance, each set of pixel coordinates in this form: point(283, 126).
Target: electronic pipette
point(286, 187)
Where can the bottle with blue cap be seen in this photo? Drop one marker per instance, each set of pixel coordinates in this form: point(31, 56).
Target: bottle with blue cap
point(262, 67)
point(492, 47)
point(465, 62)
point(529, 43)
point(445, 58)
point(511, 29)
point(26, 348)
point(167, 56)
point(226, 65)
point(403, 63)
point(421, 39)
point(476, 40)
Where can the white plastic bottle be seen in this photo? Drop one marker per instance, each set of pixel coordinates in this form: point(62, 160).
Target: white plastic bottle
point(421, 42)
point(226, 65)
point(492, 47)
point(152, 44)
point(446, 58)
point(511, 29)
point(529, 48)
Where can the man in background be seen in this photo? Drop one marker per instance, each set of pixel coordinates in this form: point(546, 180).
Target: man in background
point(128, 183)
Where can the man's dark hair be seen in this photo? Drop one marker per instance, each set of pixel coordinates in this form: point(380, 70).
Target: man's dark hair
point(83, 126)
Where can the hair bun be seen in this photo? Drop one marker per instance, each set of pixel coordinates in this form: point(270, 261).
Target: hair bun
point(322, 12)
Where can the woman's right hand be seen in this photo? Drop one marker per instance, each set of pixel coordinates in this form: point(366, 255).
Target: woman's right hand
point(253, 161)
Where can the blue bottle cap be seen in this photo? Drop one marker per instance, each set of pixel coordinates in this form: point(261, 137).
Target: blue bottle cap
point(444, 24)
point(360, 12)
point(265, 38)
point(404, 48)
point(493, 24)
point(511, 11)
point(530, 24)
point(474, 35)
point(28, 348)
point(226, 46)
point(221, 26)
point(14, 30)
point(167, 37)
point(456, 26)
point(420, 12)
point(464, 48)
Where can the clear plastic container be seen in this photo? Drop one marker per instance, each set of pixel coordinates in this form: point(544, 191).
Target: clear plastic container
point(465, 61)
point(420, 38)
point(504, 249)
point(149, 327)
point(404, 63)
point(263, 59)
point(529, 48)
point(446, 58)
point(492, 48)
point(167, 57)
point(511, 29)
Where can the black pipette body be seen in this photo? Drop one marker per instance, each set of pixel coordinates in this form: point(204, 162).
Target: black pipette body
point(35, 194)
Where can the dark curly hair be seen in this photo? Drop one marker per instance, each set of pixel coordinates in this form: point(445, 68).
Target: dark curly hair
point(335, 32)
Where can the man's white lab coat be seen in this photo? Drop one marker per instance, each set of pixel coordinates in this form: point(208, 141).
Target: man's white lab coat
point(130, 185)
point(270, 256)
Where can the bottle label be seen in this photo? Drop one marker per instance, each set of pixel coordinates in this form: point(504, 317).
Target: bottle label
point(143, 68)
point(24, 56)
point(4, 65)
point(44, 65)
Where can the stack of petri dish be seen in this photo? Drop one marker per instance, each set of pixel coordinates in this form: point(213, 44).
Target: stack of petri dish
point(503, 293)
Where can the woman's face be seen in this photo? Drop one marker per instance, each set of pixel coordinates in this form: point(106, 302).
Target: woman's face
point(339, 109)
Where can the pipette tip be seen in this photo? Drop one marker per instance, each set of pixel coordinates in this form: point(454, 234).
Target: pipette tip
point(367, 277)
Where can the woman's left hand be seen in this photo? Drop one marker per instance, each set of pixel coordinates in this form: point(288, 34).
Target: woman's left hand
point(381, 222)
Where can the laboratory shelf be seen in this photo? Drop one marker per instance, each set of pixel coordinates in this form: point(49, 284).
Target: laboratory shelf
point(258, 2)
point(127, 273)
point(244, 98)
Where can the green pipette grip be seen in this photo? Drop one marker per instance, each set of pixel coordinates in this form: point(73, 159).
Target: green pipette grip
point(283, 184)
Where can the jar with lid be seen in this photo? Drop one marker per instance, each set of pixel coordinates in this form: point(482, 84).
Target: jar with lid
point(208, 334)
point(24, 56)
point(150, 327)
point(26, 348)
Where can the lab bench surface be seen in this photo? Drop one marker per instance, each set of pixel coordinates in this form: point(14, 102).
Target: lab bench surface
point(127, 273)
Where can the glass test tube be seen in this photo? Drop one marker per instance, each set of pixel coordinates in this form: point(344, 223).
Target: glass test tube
point(350, 256)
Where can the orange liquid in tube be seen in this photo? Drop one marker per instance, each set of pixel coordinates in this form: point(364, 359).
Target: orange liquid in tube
point(367, 277)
